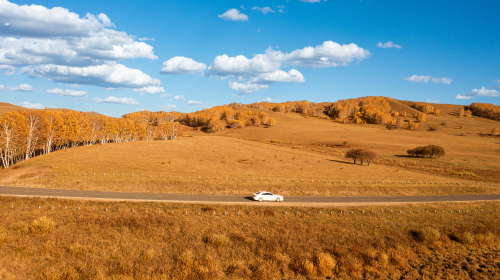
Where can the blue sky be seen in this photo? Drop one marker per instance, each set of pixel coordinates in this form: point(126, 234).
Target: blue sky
point(101, 56)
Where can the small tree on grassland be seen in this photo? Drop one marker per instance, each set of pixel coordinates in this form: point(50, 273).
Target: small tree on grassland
point(367, 156)
point(363, 154)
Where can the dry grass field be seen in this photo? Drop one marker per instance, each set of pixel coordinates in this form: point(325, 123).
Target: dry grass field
point(70, 239)
point(296, 148)
point(200, 165)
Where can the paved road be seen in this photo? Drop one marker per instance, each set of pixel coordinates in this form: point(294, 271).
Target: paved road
point(296, 200)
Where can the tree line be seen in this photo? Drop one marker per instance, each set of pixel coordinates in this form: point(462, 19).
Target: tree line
point(28, 133)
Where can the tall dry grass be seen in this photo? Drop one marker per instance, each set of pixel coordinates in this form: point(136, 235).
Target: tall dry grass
point(121, 244)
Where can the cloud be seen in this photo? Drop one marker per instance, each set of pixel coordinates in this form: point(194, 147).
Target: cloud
point(194, 102)
point(38, 21)
point(109, 75)
point(495, 87)
point(329, 54)
point(57, 40)
point(116, 100)
point(425, 79)
point(268, 99)
point(22, 87)
point(68, 92)
point(264, 10)
point(311, 1)
point(246, 88)
point(2, 87)
point(418, 79)
point(182, 65)
point(264, 69)
point(30, 105)
point(234, 15)
point(169, 107)
point(292, 76)
point(497, 81)
point(388, 45)
point(107, 45)
point(149, 89)
point(482, 92)
point(443, 80)
point(179, 97)
point(75, 85)
point(7, 70)
point(432, 101)
point(165, 95)
point(147, 39)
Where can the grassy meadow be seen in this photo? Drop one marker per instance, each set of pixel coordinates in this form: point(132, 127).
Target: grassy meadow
point(70, 239)
point(296, 148)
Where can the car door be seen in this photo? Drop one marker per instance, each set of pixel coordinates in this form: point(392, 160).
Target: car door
point(268, 196)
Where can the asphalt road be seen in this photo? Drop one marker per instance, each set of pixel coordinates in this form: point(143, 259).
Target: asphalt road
point(297, 200)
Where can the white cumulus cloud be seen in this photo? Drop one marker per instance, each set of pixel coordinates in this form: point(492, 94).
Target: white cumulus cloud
point(22, 87)
point(194, 102)
point(246, 88)
point(329, 54)
point(116, 100)
point(482, 92)
point(149, 89)
point(418, 79)
point(169, 107)
point(264, 69)
point(388, 45)
point(234, 15)
point(56, 43)
point(443, 80)
point(292, 76)
point(2, 87)
point(264, 10)
point(269, 99)
point(432, 101)
point(311, 1)
point(30, 105)
point(68, 92)
point(425, 79)
point(182, 65)
point(179, 97)
point(497, 81)
point(109, 75)
point(7, 70)
point(166, 95)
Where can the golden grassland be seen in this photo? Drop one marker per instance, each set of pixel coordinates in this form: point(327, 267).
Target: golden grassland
point(70, 239)
point(200, 165)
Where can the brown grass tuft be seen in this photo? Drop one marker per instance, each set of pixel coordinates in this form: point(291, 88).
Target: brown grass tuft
point(216, 240)
point(42, 225)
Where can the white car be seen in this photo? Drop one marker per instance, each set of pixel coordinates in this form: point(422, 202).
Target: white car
point(267, 196)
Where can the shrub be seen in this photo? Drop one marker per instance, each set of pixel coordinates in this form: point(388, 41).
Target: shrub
point(148, 255)
point(444, 124)
point(495, 131)
point(325, 264)
point(427, 235)
point(431, 151)
point(433, 128)
point(42, 225)
point(207, 209)
point(216, 240)
point(466, 237)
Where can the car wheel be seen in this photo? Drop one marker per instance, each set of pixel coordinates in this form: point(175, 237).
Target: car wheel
point(278, 199)
point(260, 199)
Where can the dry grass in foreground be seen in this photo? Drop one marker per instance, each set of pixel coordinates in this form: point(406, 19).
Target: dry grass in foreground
point(106, 240)
point(210, 157)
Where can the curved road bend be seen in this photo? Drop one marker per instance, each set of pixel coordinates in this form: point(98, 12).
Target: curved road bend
point(302, 200)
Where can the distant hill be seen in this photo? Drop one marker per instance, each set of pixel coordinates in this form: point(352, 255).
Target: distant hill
point(7, 107)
